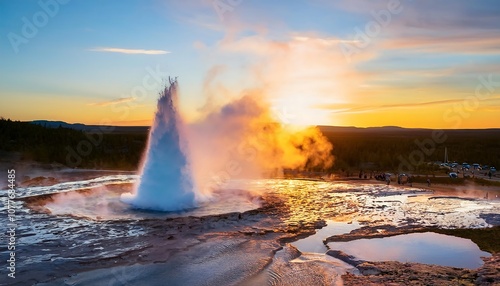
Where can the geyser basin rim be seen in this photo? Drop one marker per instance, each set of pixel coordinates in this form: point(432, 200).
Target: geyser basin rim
point(103, 203)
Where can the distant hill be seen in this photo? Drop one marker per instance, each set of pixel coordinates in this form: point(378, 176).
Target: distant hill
point(72, 145)
point(57, 124)
point(400, 130)
point(91, 128)
point(388, 130)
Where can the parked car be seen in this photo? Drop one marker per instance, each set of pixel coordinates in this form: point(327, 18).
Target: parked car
point(403, 179)
point(453, 175)
point(493, 169)
point(476, 166)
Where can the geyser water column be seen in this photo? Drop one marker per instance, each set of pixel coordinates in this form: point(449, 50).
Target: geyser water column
point(166, 183)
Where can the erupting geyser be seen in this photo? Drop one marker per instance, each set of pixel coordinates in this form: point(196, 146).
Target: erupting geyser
point(166, 183)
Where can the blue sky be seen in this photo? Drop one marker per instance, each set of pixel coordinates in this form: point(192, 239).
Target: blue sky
point(90, 56)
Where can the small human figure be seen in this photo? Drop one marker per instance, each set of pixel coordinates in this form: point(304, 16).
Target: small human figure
point(428, 182)
point(489, 174)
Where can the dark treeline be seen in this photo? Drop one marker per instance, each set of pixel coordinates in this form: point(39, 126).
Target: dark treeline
point(354, 149)
point(71, 147)
point(383, 150)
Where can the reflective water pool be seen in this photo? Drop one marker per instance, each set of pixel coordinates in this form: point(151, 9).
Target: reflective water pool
point(314, 243)
point(428, 248)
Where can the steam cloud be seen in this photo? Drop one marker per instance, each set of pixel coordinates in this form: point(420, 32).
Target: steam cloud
point(239, 140)
point(242, 139)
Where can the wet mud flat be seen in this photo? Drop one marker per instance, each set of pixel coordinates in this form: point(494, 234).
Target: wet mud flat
point(251, 247)
point(222, 249)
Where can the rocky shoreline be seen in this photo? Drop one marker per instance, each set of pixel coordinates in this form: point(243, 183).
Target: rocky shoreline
point(396, 273)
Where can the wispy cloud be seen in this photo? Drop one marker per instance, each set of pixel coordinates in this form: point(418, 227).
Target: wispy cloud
point(447, 26)
point(129, 51)
point(335, 108)
point(114, 101)
point(487, 43)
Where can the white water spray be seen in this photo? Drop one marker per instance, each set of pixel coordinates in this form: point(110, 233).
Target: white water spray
point(166, 182)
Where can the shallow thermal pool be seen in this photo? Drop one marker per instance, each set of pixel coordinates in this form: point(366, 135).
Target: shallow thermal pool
point(105, 203)
point(428, 248)
point(99, 198)
point(314, 243)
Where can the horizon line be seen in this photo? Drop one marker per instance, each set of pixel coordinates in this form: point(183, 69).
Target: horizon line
point(319, 125)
